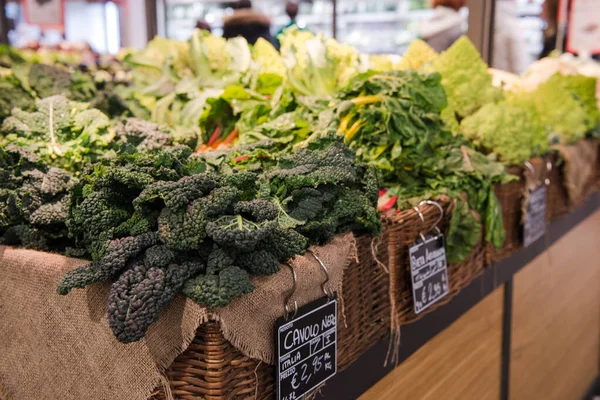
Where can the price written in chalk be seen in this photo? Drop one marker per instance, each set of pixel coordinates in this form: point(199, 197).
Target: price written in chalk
point(429, 272)
point(306, 349)
point(535, 219)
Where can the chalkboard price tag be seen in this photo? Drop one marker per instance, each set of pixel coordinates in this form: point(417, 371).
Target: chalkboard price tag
point(428, 271)
point(535, 220)
point(306, 349)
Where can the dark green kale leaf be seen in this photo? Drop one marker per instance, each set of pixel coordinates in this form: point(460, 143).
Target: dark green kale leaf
point(118, 253)
point(136, 298)
point(218, 290)
point(34, 201)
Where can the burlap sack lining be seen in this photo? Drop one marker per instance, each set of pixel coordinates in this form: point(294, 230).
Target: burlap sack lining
point(580, 161)
point(62, 346)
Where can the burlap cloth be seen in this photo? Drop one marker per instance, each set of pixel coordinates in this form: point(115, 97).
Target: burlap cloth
point(60, 347)
point(579, 169)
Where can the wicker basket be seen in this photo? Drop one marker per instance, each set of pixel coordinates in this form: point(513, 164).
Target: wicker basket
point(510, 197)
point(211, 368)
point(591, 185)
point(403, 229)
point(558, 197)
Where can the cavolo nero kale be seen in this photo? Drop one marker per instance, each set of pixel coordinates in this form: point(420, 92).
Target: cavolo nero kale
point(33, 201)
point(168, 221)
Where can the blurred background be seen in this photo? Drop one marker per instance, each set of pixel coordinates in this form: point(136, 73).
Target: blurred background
point(522, 29)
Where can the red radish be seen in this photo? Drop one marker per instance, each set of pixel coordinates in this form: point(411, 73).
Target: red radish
point(240, 158)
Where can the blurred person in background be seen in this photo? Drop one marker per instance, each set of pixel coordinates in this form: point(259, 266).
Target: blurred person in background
point(291, 9)
point(445, 25)
point(550, 17)
point(510, 50)
point(248, 23)
point(203, 25)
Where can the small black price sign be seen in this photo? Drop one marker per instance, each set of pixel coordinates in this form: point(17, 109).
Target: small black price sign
point(428, 271)
point(535, 220)
point(306, 349)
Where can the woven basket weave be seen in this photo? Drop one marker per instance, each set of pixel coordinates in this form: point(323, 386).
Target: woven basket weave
point(510, 198)
point(558, 197)
point(592, 183)
point(403, 230)
point(211, 368)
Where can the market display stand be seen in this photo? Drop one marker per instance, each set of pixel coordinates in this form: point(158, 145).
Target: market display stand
point(528, 327)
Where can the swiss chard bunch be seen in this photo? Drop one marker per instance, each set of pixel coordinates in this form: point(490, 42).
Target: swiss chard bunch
point(34, 201)
point(393, 121)
point(168, 222)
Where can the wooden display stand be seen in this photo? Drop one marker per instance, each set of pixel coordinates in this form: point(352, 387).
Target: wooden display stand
point(535, 337)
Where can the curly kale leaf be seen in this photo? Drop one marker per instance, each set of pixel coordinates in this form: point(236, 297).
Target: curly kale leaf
point(25, 236)
point(136, 298)
point(218, 260)
point(159, 256)
point(143, 135)
point(221, 201)
point(245, 182)
point(34, 201)
point(238, 232)
point(50, 213)
point(285, 243)
point(56, 181)
point(311, 168)
point(180, 193)
point(218, 290)
point(259, 209)
point(47, 80)
point(353, 211)
point(97, 215)
point(260, 262)
point(118, 253)
point(183, 229)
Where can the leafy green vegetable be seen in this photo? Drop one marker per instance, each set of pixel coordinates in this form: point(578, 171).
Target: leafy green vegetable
point(317, 66)
point(464, 232)
point(217, 210)
point(392, 120)
point(46, 80)
point(63, 133)
point(13, 94)
point(33, 201)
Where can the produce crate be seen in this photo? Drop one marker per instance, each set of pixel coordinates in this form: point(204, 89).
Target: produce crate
point(558, 198)
point(213, 369)
point(510, 197)
point(404, 229)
